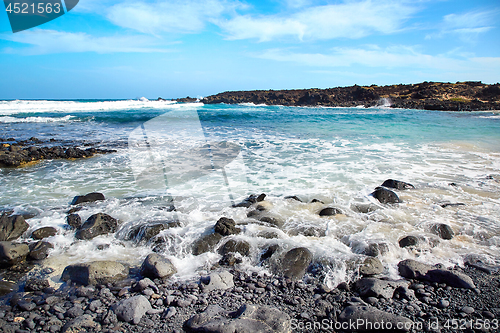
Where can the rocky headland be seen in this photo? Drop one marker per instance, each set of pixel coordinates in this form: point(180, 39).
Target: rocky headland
point(109, 296)
point(460, 96)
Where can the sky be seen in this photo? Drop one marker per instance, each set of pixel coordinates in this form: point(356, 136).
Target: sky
point(121, 49)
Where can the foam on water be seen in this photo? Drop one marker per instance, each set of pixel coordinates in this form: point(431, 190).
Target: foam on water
point(335, 155)
point(8, 119)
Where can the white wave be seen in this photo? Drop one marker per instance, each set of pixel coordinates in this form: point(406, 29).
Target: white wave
point(8, 119)
point(24, 106)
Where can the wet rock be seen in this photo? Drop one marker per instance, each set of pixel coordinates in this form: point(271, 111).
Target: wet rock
point(371, 266)
point(12, 253)
point(235, 246)
point(39, 250)
point(132, 309)
point(74, 221)
point(7, 287)
point(375, 249)
point(397, 184)
point(157, 266)
point(226, 227)
point(295, 263)
point(449, 204)
point(477, 263)
point(293, 197)
point(251, 200)
point(94, 273)
point(444, 231)
point(44, 232)
point(277, 222)
point(230, 259)
point(408, 241)
point(206, 243)
point(385, 196)
point(367, 317)
point(80, 324)
point(370, 287)
point(91, 197)
point(96, 225)
point(12, 227)
point(217, 281)
point(36, 284)
point(269, 251)
point(308, 231)
point(413, 269)
point(248, 319)
point(146, 232)
point(329, 211)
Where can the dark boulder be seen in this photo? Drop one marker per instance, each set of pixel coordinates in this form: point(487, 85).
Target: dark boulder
point(444, 231)
point(397, 184)
point(329, 211)
point(145, 232)
point(293, 197)
point(408, 241)
point(371, 266)
point(12, 227)
point(95, 273)
point(12, 253)
point(156, 266)
point(91, 197)
point(39, 250)
point(74, 221)
point(268, 252)
point(206, 243)
point(248, 319)
point(295, 263)
point(96, 225)
point(44, 232)
point(413, 269)
point(385, 196)
point(235, 246)
point(226, 227)
point(375, 249)
point(251, 200)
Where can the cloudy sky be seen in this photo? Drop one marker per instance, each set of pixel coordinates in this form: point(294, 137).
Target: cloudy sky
point(132, 48)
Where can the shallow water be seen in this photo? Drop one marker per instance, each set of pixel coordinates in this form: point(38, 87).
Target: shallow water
point(336, 155)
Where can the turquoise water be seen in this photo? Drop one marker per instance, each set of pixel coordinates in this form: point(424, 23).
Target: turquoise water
point(337, 155)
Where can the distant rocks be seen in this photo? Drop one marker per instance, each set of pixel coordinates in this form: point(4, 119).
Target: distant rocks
point(460, 96)
point(397, 184)
point(17, 154)
point(251, 200)
point(226, 227)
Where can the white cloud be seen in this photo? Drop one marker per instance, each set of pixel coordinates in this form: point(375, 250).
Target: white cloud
point(467, 25)
point(41, 41)
point(187, 16)
point(352, 19)
point(389, 58)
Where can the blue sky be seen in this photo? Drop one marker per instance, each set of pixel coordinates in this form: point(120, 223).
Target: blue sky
point(129, 49)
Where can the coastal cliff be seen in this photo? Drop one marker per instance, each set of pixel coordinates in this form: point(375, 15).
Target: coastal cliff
point(460, 96)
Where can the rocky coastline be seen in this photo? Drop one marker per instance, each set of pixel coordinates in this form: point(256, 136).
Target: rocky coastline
point(109, 296)
point(19, 153)
point(460, 96)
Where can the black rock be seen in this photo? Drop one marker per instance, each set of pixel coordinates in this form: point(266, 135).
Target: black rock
point(226, 227)
point(235, 246)
point(408, 241)
point(96, 225)
point(39, 250)
point(444, 231)
point(157, 266)
point(74, 221)
point(449, 204)
point(44, 232)
point(145, 232)
point(293, 197)
point(36, 284)
point(11, 253)
point(330, 211)
point(91, 197)
point(385, 196)
point(295, 263)
point(269, 251)
point(206, 243)
point(12, 227)
point(398, 185)
point(251, 200)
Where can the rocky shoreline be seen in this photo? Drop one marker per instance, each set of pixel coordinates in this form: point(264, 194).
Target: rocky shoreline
point(15, 153)
point(460, 96)
point(109, 296)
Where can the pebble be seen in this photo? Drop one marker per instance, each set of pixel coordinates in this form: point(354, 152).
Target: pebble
point(443, 303)
point(467, 309)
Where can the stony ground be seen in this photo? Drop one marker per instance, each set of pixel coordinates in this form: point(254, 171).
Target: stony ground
point(172, 304)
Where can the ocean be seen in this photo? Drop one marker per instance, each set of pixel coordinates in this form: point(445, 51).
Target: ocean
point(202, 159)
